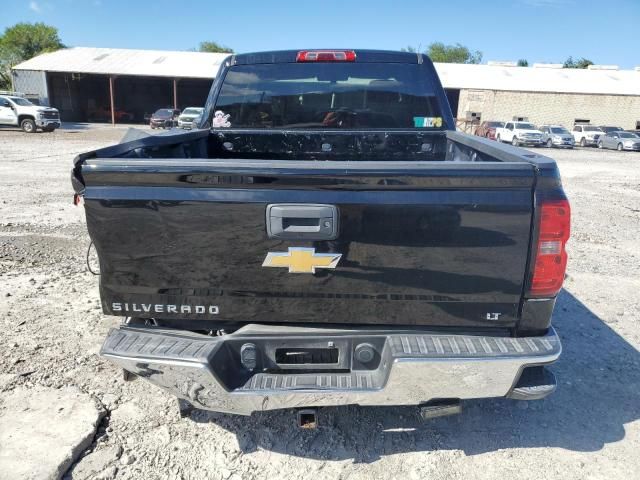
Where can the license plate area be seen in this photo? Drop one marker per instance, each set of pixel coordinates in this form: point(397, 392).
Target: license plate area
point(306, 356)
point(302, 355)
point(240, 358)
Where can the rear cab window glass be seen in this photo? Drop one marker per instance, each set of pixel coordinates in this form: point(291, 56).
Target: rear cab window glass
point(23, 102)
point(329, 95)
point(164, 113)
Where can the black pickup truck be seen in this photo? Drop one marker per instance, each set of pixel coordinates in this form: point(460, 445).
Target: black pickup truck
point(326, 237)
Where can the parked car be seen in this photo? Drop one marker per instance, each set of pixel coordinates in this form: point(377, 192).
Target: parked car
point(341, 281)
point(164, 118)
point(607, 129)
point(190, 117)
point(520, 133)
point(488, 129)
point(587, 135)
point(17, 111)
point(620, 141)
point(557, 136)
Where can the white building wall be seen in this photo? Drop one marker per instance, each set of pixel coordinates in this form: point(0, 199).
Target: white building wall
point(552, 108)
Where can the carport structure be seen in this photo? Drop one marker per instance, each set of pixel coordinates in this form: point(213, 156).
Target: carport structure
point(117, 85)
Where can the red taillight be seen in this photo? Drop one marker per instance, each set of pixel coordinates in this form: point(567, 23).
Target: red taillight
point(551, 257)
point(326, 56)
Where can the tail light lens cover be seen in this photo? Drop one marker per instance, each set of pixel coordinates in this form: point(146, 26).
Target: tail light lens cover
point(326, 56)
point(550, 256)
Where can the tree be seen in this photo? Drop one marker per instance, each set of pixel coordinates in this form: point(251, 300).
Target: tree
point(7, 60)
point(22, 42)
point(579, 63)
point(439, 52)
point(523, 62)
point(213, 47)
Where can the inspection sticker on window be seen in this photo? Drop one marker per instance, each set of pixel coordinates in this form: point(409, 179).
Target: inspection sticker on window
point(427, 122)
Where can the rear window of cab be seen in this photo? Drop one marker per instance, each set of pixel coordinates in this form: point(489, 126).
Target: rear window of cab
point(328, 95)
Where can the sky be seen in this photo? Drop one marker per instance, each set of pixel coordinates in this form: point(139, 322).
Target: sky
point(536, 30)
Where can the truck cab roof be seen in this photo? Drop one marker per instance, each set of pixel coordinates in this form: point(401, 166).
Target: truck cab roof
point(362, 56)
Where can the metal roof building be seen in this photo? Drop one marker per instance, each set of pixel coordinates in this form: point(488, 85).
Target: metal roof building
point(542, 94)
point(124, 85)
point(119, 61)
point(540, 78)
point(117, 85)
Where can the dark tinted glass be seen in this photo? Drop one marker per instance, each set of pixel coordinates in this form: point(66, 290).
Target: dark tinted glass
point(23, 102)
point(329, 95)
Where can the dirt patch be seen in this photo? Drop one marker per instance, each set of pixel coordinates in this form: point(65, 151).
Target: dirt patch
point(44, 430)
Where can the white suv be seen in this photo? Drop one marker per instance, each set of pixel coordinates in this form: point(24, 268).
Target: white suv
point(519, 133)
point(190, 117)
point(20, 112)
point(587, 135)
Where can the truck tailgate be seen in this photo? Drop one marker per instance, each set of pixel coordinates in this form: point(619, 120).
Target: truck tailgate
point(419, 243)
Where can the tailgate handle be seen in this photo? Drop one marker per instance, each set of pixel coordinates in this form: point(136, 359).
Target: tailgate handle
point(302, 221)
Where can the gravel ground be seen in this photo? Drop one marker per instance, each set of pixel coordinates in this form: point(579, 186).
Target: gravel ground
point(52, 329)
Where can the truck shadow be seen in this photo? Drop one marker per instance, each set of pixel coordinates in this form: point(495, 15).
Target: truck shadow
point(75, 126)
point(598, 393)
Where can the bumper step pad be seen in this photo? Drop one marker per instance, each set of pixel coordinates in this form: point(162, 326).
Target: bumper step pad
point(333, 381)
point(468, 346)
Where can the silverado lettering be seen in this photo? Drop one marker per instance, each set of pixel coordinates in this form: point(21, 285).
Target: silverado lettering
point(159, 308)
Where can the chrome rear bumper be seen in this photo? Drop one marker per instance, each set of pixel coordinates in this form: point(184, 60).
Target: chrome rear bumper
point(411, 368)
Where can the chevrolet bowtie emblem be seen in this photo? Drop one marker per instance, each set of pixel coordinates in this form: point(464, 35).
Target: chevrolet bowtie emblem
point(302, 260)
